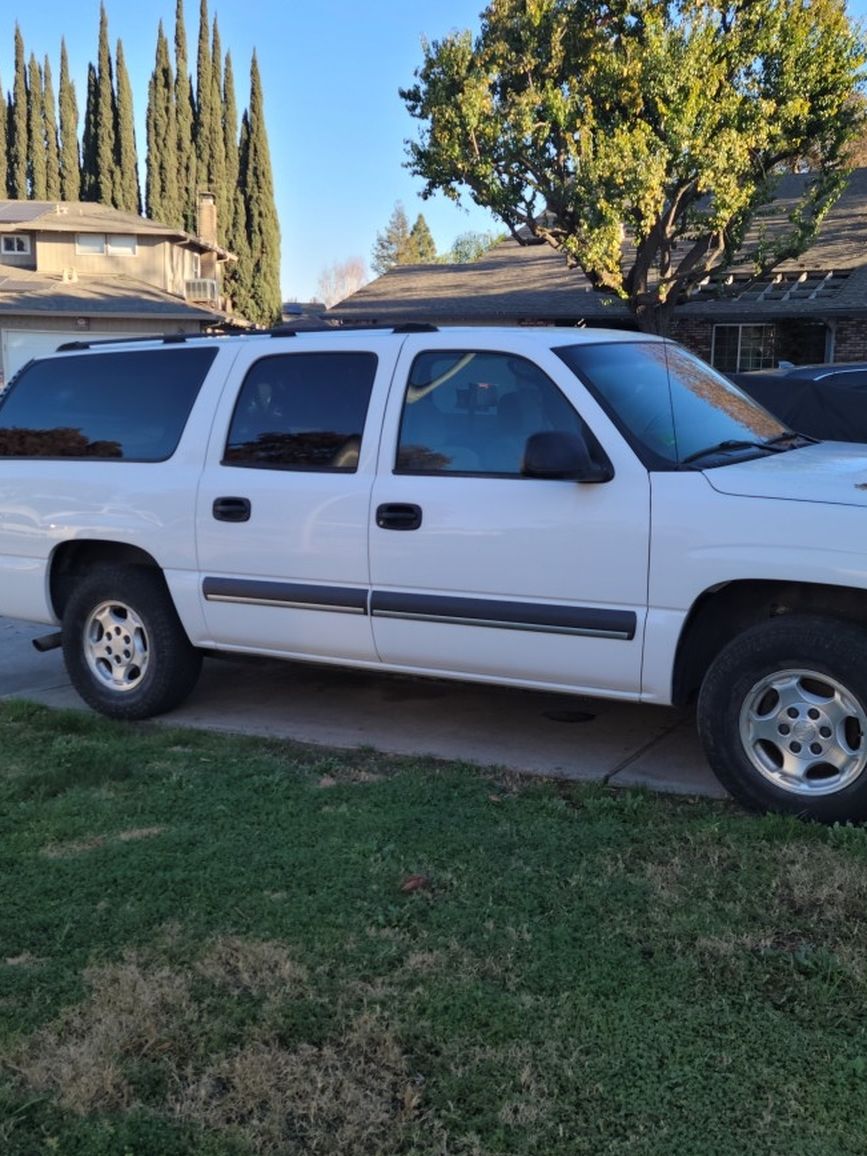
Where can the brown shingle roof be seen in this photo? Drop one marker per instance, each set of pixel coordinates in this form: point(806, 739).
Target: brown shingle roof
point(515, 283)
point(23, 291)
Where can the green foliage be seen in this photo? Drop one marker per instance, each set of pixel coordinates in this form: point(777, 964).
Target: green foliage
point(17, 137)
point(104, 182)
point(89, 160)
point(36, 168)
point(398, 244)
point(642, 144)
point(184, 113)
point(129, 192)
point(391, 242)
point(217, 150)
point(421, 249)
point(469, 246)
point(207, 949)
point(263, 230)
point(162, 202)
point(4, 166)
point(52, 152)
point(205, 110)
point(70, 160)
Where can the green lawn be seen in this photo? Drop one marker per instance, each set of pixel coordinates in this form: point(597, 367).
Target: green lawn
point(223, 946)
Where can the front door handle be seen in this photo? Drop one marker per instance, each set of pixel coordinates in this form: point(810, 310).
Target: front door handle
point(398, 516)
point(232, 509)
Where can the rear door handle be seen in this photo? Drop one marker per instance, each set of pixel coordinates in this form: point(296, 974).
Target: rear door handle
point(398, 516)
point(232, 509)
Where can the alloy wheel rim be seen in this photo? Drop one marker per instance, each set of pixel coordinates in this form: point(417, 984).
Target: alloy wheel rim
point(804, 732)
point(116, 647)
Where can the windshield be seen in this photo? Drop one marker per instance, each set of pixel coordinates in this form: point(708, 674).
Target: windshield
point(670, 405)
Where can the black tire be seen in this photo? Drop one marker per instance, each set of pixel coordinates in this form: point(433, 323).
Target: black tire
point(782, 715)
point(125, 649)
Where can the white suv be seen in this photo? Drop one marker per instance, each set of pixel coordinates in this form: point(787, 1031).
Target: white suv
point(573, 510)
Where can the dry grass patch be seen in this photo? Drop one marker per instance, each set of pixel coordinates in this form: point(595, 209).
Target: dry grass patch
point(821, 883)
point(347, 1097)
point(73, 847)
point(255, 967)
point(351, 1094)
point(94, 842)
point(132, 1011)
point(136, 833)
point(25, 959)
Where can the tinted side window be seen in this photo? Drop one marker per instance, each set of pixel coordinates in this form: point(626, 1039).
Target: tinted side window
point(471, 413)
point(302, 411)
point(131, 405)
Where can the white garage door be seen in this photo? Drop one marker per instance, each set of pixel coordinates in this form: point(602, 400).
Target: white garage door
point(19, 345)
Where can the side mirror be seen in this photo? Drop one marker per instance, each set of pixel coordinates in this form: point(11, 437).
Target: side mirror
point(555, 454)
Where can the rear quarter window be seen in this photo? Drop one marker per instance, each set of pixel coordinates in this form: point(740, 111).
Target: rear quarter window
point(130, 405)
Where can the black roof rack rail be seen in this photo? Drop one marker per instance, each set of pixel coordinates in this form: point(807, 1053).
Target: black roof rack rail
point(275, 331)
point(165, 338)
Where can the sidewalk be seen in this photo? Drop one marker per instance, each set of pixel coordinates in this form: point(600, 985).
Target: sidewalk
point(539, 732)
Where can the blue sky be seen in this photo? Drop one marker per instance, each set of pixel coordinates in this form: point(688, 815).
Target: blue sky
point(330, 69)
point(336, 125)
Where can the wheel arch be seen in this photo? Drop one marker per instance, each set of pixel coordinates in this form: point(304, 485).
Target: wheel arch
point(719, 614)
point(72, 559)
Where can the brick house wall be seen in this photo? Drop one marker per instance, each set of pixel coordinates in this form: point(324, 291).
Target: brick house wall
point(850, 343)
point(695, 334)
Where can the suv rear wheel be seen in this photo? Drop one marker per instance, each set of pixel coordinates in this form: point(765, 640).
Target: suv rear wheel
point(125, 650)
point(782, 714)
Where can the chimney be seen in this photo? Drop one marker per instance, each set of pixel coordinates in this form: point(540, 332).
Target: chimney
point(207, 229)
point(207, 217)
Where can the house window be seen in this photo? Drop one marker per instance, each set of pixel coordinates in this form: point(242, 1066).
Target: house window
point(739, 348)
point(15, 244)
point(121, 244)
point(99, 244)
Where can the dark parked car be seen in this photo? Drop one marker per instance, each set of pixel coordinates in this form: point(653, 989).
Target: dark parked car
point(823, 401)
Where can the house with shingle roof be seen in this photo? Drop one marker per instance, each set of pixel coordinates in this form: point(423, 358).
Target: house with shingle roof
point(810, 309)
point(71, 269)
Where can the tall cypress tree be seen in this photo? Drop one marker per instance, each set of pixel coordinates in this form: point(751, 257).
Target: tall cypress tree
point(17, 142)
point(70, 160)
point(106, 114)
point(36, 168)
point(240, 277)
point(263, 229)
point(161, 189)
point(128, 191)
point(184, 115)
point(4, 167)
point(89, 161)
point(204, 97)
point(217, 175)
point(235, 224)
point(52, 152)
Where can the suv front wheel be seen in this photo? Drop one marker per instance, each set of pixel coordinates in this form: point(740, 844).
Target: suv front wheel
point(782, 714)
point(125, 650)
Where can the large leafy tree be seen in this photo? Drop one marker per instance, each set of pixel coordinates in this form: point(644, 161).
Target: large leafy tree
point(638, 137)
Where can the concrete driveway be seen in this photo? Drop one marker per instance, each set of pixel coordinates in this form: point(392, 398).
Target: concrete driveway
point(543, 733)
